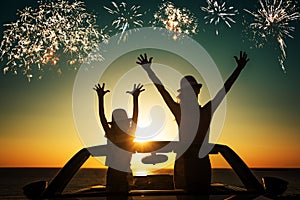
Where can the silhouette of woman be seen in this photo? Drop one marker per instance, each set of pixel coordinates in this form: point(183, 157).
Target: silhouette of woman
point(120, 135)
point(191, 172)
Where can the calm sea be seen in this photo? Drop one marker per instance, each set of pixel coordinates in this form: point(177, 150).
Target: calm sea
point(13, 179)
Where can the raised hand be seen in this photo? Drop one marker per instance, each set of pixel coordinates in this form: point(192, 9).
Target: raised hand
point(100, 90)
point(144, 62)
point(137, 89)
point(242, 61)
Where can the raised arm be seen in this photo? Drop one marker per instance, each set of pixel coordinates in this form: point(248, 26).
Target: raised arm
point(101, 92)
point(241, 63)
point(146, 64)
point(137, 89)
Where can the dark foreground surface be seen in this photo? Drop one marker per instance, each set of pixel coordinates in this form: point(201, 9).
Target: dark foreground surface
point(13, 179)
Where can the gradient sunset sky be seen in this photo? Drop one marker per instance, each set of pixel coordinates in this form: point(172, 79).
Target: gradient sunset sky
point(37, 128)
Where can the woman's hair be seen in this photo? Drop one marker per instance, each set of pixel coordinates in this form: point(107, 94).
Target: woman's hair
point(120, 120)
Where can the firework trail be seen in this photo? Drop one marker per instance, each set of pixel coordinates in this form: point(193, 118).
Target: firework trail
point(52, 32)
point(178, 20)
point(125, 18)
point(217, 12)
point(272, 22)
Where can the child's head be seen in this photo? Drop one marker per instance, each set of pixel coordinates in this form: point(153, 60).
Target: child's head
point(120, 120)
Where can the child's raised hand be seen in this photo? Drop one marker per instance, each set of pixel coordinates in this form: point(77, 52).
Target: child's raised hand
point(137, 89)
point(100, 90)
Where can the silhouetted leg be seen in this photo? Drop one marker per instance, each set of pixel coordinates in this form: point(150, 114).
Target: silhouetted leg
point(197, 177)
point(117, 184)
point(179, 178)
point(198, 174)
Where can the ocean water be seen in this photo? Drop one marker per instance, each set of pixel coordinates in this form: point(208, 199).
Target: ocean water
point(13, 179)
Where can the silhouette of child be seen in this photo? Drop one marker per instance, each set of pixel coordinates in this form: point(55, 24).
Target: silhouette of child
point(120, 134)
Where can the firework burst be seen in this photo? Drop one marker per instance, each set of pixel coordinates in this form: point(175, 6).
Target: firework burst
point(217, 12)
point(125, 18)
point(272, 22)
point(53, 32)
point(177, 20)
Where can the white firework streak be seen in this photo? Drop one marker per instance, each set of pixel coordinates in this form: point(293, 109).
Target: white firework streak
point(217, 11)
point(176, 20)
point(272, 21)
point(125, 18)
point(54, 31)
